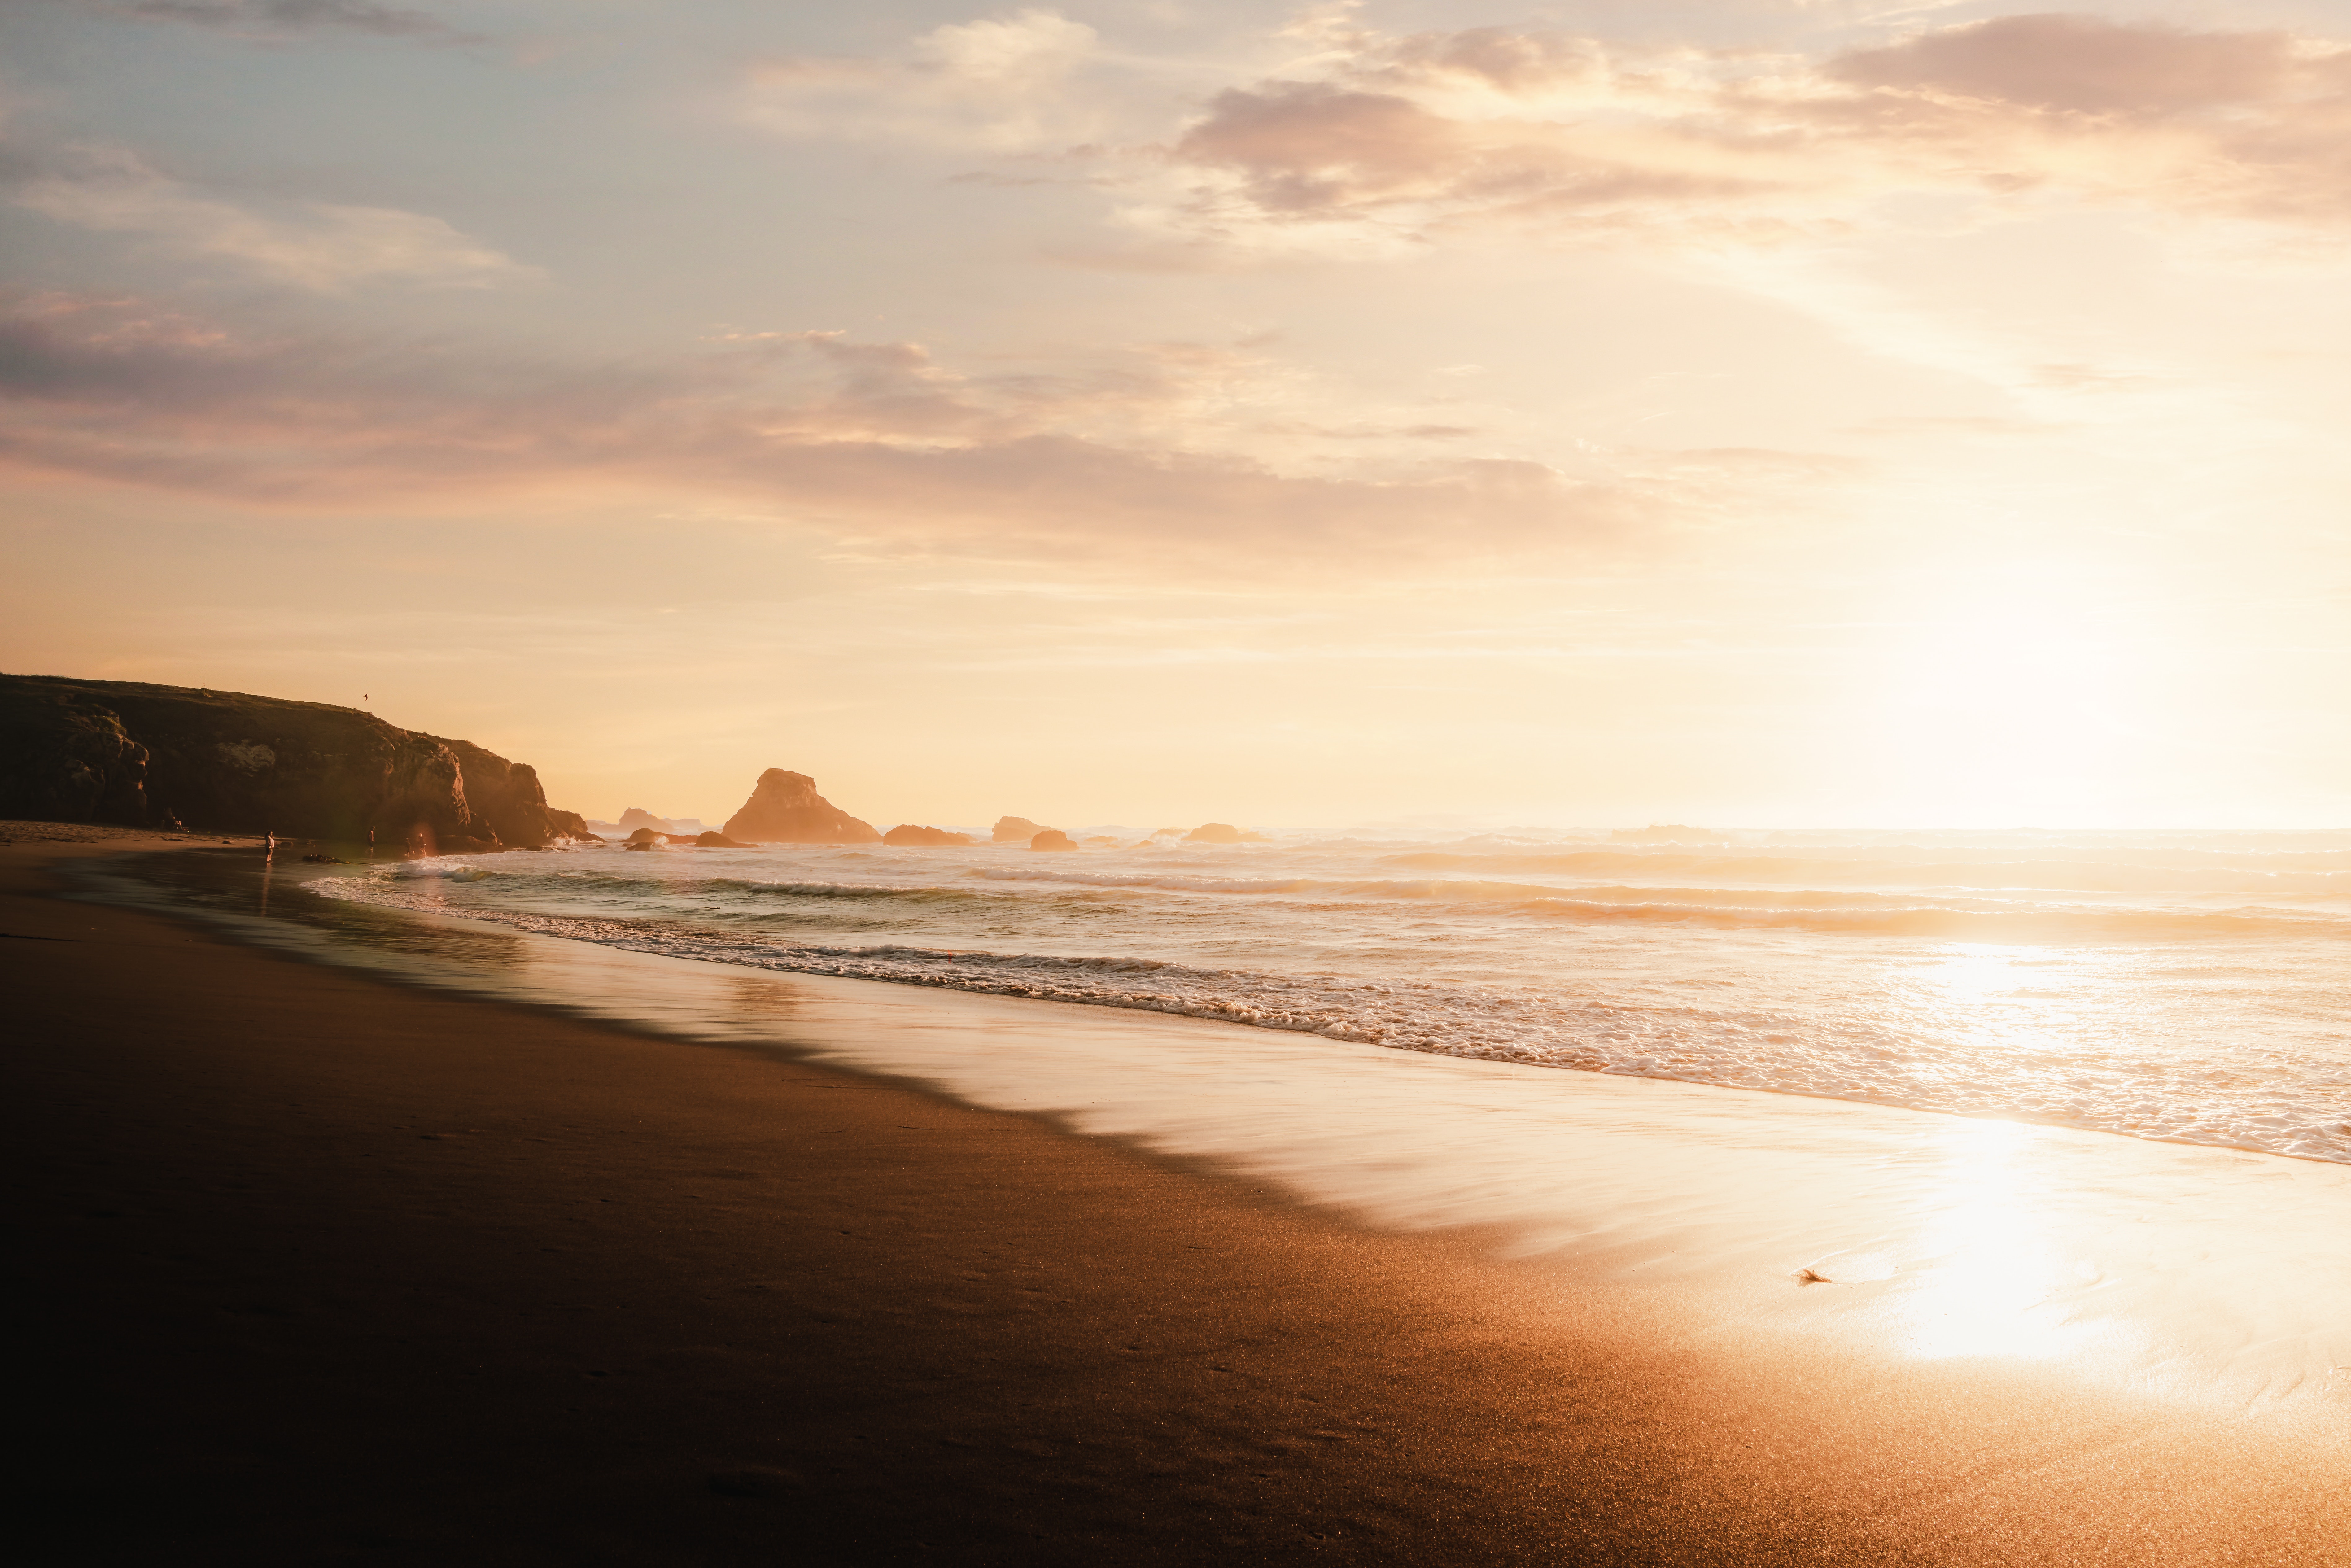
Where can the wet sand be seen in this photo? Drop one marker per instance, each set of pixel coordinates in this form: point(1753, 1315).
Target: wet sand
point(322, 1269)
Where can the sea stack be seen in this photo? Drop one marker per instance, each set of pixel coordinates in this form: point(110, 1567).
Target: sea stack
point(1015, 830)
point(784, 808)
point(1051, 839)
point(918, 836)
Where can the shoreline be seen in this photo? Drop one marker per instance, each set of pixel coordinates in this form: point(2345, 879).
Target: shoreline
point(1872, 1025)
point(1946, 1236)
point(287, 1227)
point(525, 923)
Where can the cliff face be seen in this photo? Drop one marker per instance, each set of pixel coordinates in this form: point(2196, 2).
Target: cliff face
point(510, 797)
point(61, 760)
point(784, 808)
point(147, 756)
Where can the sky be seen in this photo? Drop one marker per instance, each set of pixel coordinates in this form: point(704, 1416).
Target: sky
point(1757, 412)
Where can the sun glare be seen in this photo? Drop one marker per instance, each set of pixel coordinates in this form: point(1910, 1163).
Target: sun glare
point(2010, 707)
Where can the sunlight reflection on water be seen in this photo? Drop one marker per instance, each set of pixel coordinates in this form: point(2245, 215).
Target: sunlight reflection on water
point(2138, 992)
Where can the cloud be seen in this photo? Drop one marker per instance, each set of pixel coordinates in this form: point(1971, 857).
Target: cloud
point(326, 246)
point(1398, 139)
point(277, 18)
point(870, 442)
point(2081, 65)
point(999, 84)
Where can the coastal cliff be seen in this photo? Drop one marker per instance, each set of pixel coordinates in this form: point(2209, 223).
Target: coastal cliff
point(150, 755)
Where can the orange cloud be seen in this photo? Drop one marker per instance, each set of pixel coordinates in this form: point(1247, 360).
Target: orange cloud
point(2084, 65)
point(1426, 133)
point(1002, 82)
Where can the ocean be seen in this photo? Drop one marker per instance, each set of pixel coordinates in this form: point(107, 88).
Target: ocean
point(2186, 987)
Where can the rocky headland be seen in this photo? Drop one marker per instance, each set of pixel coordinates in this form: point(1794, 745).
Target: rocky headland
point(784, 808)
point(148, 755)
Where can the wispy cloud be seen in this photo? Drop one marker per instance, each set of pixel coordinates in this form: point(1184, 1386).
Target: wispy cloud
point(872, 444)
point(322, 245)
point(278, 18)
point(998, 84)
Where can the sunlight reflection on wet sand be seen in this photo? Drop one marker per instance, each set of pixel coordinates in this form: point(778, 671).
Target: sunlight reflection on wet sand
point(1993, 1265)
point(2188, 1272)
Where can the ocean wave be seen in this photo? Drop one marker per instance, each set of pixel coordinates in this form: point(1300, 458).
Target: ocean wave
point(848, 890)
point(438, 871)
point(1166, 881)
point(1853, 1058)
point(1009, 890)
point(643, 887)
point(2026, 924)
point(2324, 874)
point(1811, 909)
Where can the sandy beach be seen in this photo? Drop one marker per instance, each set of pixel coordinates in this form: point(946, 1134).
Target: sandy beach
point(323, 1268)
point(1176, 783)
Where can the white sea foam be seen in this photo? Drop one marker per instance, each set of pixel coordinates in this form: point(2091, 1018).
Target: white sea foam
point(2143, 995)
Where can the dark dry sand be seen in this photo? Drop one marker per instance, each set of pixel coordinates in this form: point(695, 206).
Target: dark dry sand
point(310, 1269)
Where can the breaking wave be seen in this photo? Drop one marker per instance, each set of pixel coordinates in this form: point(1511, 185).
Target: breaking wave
point(1729, 980)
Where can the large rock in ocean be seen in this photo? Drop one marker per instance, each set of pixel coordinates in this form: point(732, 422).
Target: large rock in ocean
point(1051, 839)
point(784, 808)
point(1015, 830)
point(150, 755)
point(638, 817)
point(909, 834)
